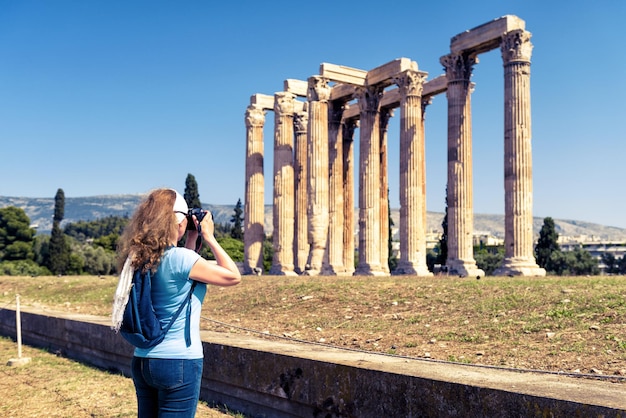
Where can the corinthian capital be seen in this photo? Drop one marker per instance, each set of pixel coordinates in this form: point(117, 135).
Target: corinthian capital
point(516, 46)
point(255, 116)
point(459, 66)
point(319, 90)
point(410, 82)
point(284, 103)
point(300, 121)
point(369, 97)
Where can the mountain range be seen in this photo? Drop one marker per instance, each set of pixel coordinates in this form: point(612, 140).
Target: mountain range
point(40, 212)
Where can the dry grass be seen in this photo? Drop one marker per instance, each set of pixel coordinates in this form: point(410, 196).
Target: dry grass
point(575, 325)
point(567, 324)
point(51, 386)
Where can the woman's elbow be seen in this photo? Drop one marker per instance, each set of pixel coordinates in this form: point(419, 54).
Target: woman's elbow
point(235, 280)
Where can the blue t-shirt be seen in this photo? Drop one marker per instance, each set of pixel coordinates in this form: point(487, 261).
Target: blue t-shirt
point(170, 288)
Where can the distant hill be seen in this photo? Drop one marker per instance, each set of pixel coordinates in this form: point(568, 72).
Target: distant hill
point(40, 211)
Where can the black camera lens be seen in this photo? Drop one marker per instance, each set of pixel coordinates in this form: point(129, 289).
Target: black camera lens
point(199, 214)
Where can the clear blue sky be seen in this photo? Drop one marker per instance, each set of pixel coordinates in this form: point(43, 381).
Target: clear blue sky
point(116, 97)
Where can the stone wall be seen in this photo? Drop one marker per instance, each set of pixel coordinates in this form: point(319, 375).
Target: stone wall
point(264, 378)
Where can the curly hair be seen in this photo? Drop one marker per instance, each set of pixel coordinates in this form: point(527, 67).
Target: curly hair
point(150, 231)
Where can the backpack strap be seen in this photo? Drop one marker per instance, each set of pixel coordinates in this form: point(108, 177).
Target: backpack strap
point(188, 319)
point(186, 303)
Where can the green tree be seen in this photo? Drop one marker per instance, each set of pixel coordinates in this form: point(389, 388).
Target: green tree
point(547, 244)
point(237, 221)
point(192, 197)
point(622, 265)
point(22, 268)
point(611, 263)
point(59, 249)
point(443, 241)
point(268, 252)
point(488, 258)
point(41, 248)
point(223, 229)
point(233, 247)
point(84, 230)
point(59, 206)
point(95, 260)
point(16, 235)
point(573, 263)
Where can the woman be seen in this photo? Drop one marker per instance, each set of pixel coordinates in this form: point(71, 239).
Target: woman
point(167, 377)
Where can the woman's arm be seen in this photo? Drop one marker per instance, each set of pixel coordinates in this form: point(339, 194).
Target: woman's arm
point(225, 272)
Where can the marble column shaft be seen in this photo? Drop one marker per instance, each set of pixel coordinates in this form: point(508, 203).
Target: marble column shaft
point(385, 116)
point(519, 257)
point(301, 246)
point(460, 194)
point(412, 176)
point(369, 182)
point(283, 208)
point(317, 172)
point(348, 195)
point(333, 262)
point(254, 207)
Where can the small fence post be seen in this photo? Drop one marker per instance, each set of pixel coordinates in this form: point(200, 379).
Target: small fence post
point(18, 330)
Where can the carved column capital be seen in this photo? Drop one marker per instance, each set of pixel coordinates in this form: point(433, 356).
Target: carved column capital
point(349, 127)
point(319, 90)
point(410, 82)
point(284, 103)
point(301, 122)
point(255, 116)
point(516, 47)
point(385, 116)
point(458, 66)
point(336, 110)
point(369, 98)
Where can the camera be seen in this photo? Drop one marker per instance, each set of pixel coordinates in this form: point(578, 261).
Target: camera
point(199, 214)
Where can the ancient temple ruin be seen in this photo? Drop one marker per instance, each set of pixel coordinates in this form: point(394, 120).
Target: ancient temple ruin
point(314, 166)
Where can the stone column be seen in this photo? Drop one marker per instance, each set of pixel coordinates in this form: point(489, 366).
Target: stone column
point(254, 208)
point(283, 209)
point(412, 176)
point(301, 245)
point(317, 172)
point(385, 115)
point(333, 262)
point(369, 182)
point(425, 102)
point(460, 195)
point(519, 258)
point(348, 195)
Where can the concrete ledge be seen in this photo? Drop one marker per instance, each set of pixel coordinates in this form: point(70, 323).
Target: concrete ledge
point(282, 379)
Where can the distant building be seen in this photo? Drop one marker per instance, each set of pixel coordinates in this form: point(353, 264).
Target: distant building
point(594, 246)
point(485, 239)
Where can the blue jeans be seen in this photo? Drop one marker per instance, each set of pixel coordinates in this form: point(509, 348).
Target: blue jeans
point(166, 387)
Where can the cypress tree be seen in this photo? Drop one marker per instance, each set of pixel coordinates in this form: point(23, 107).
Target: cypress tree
point(59, 206)
point(192, 197)
point(546, 244)
point(443, 241)
point(59, 251)
point(237, 221)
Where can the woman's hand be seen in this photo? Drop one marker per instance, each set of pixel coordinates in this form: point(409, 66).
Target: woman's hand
point(225, 272)
point(207, 226)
